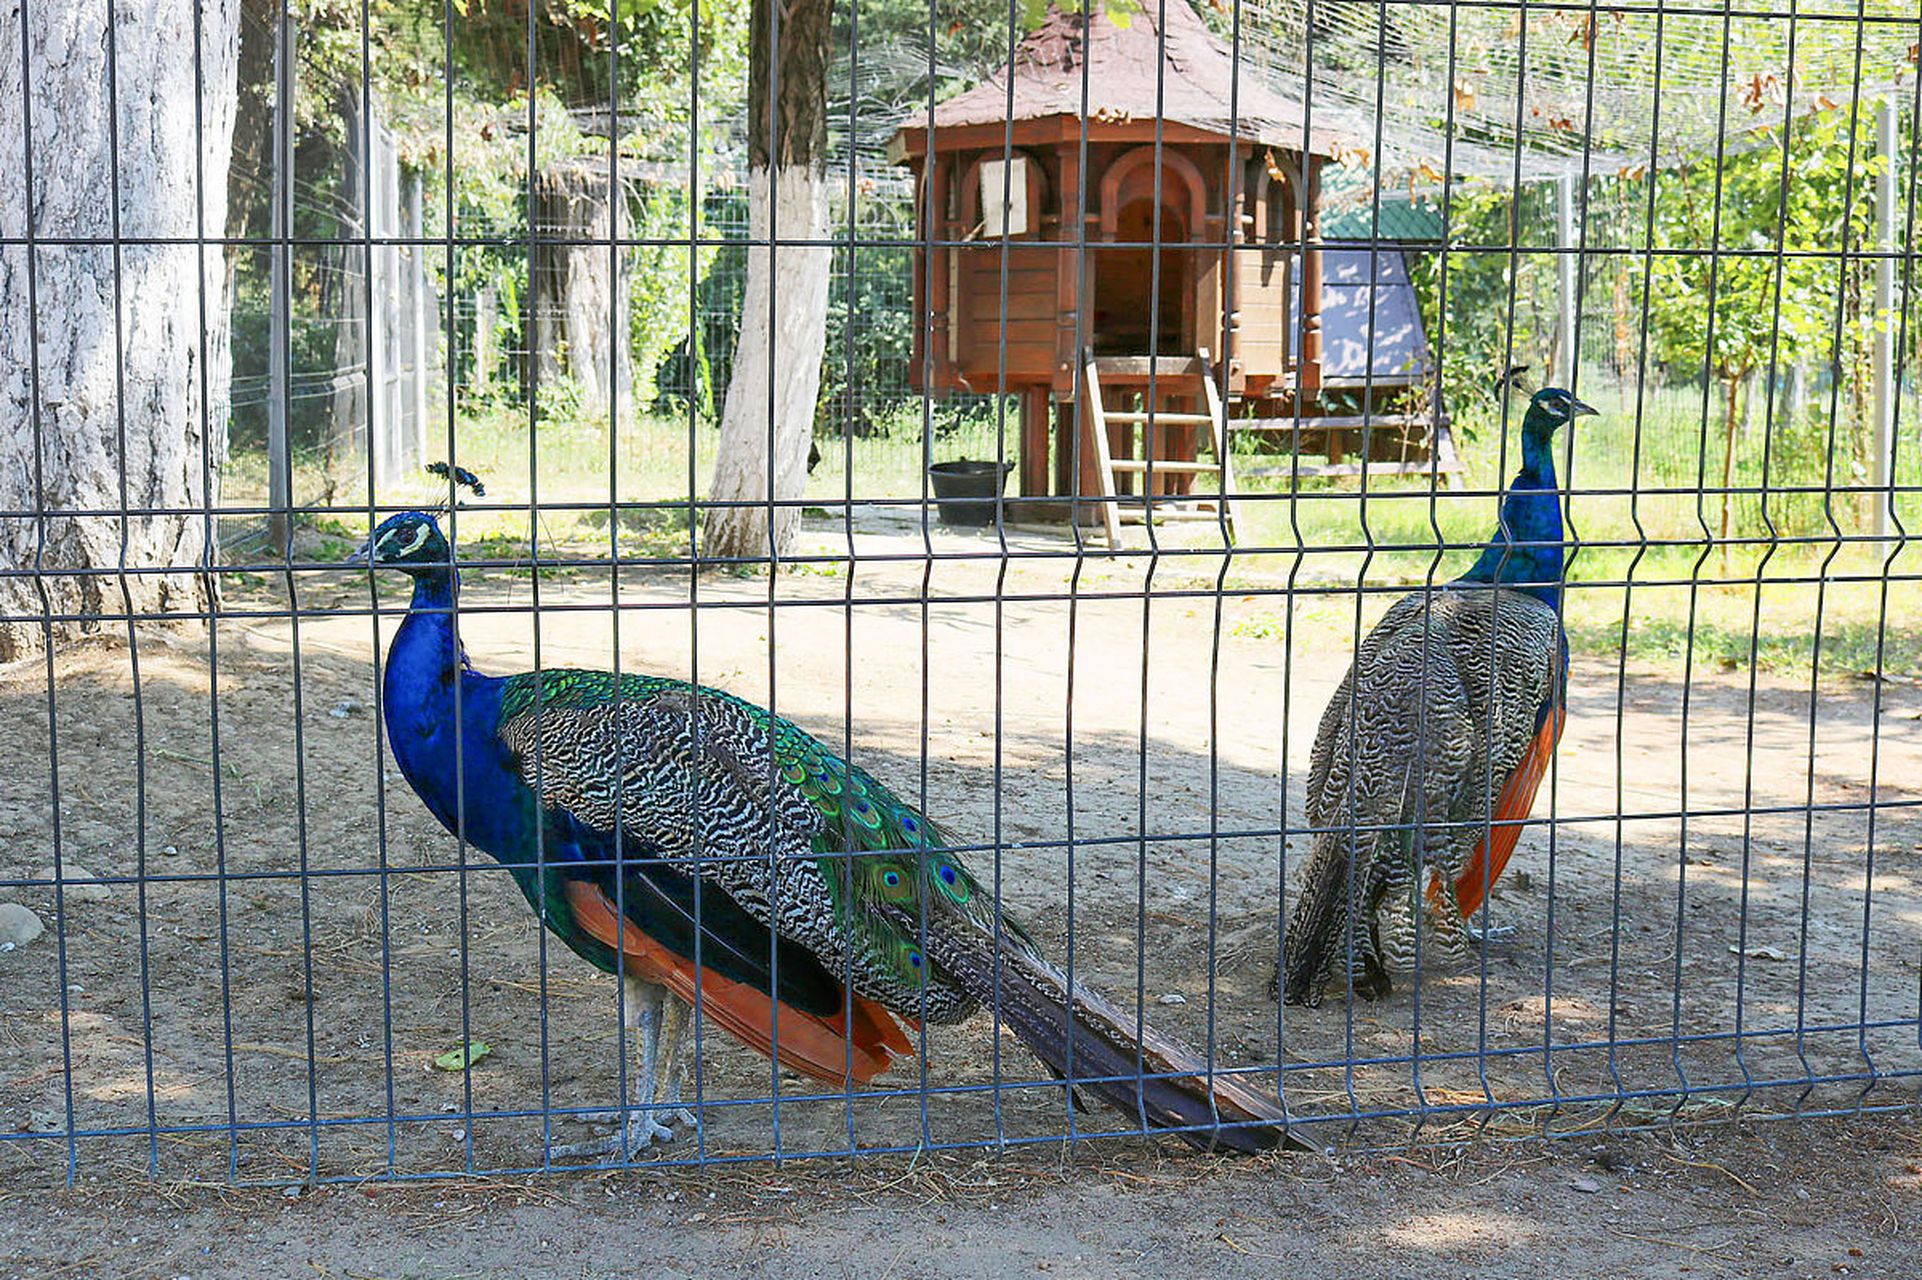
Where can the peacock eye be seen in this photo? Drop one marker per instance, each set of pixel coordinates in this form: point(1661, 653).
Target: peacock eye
point(947, 874)
point(891, 878)
point(914, 958)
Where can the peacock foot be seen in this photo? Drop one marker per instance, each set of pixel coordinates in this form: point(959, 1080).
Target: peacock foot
point(1493, 936)
point(639, 1132)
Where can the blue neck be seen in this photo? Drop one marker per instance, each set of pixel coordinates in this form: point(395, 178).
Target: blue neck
point(439, 710)
point(1526, 551)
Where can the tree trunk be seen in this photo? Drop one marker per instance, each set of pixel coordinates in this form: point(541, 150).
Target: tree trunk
point(62, 449)
point(777, 363)
point(580, 304)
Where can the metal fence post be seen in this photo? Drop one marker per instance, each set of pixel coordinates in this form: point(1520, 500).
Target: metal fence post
point(280, 351)
point(1884, 348)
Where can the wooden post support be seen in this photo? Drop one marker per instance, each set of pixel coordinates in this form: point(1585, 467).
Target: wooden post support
point(1311, 278)
point(1037, 413)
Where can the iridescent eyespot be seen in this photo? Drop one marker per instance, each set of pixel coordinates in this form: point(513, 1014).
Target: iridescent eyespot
point(914, 958)
point(909, 825)
point(947, 874)
point(892, 879)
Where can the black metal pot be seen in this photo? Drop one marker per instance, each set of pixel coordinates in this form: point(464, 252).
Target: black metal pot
point(965, 492)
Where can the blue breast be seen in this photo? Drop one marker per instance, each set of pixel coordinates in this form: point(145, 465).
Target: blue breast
point(454, 759)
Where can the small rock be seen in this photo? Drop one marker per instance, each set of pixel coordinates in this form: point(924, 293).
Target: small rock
point(1587, 1186)
point(71, 892)
point(292, 1193)
point(347, 707)
point(19, 925)
point(1174, 997)
point(170, 851)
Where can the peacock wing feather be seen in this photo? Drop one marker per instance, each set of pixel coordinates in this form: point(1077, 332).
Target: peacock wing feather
point(811, 846)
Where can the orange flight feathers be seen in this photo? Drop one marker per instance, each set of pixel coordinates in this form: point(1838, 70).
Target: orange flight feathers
point(838, 1051)
point(1512, 806)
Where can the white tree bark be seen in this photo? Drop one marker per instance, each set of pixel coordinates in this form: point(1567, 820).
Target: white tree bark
point(783, 330)
point(61, 455)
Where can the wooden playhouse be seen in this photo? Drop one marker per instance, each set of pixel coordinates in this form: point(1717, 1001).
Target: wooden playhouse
point(1111, 213)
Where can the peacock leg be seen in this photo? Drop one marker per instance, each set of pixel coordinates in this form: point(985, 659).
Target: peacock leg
point(675, 1047)
point(638, 1129)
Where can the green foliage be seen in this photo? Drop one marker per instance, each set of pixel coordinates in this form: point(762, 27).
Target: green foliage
point(1484, 304)
point(1795, 190)
point(870, 337)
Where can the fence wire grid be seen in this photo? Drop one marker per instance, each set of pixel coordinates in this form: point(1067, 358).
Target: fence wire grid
point(714, 302)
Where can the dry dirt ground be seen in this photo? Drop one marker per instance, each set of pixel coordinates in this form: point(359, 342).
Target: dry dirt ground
point(1759, 954)
point(1814, 1199)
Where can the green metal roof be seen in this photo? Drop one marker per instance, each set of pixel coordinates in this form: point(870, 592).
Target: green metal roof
point(1348, 210)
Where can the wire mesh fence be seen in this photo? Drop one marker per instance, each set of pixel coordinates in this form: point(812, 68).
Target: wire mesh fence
point(992, 561)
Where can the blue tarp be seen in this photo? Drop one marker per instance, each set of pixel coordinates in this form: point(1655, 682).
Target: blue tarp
point(1350, 278)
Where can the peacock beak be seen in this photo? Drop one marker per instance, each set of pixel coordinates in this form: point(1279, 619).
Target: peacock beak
point(363, 554)
point(1576, 409)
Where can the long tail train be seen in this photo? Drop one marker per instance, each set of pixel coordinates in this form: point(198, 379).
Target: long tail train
point(1165, 1083)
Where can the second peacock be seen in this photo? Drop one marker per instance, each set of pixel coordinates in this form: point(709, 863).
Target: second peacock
point(1429, 754)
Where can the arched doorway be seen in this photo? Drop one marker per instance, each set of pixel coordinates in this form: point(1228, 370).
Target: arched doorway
point(1132, 307)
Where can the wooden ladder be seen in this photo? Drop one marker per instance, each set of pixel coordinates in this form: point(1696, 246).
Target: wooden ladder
point(1178, 376)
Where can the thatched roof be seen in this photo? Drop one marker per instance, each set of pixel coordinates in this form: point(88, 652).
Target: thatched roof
point(1165, 62)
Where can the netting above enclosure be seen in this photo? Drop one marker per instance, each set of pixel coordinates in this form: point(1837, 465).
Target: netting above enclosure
point(1485, 88)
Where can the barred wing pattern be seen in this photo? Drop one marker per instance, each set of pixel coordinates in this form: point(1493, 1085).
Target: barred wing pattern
point(1444, 698)
point(804, 842)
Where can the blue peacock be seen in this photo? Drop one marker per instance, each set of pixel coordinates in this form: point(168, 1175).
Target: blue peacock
point(709, 851)
point(1457, 697)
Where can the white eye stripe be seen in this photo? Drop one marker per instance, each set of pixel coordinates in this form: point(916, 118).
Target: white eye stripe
point(413, 543)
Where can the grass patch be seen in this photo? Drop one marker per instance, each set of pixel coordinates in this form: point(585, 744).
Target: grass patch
point(1642, 524)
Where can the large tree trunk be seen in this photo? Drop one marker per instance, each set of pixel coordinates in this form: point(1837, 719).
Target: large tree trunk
point(61, 451)
point(777, 363)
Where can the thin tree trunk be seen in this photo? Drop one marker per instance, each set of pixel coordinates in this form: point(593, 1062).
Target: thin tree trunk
point(73, 385)
point(777, 363)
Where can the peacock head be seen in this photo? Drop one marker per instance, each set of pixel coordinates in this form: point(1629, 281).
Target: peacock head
point(410, 542)
point(1550, 409)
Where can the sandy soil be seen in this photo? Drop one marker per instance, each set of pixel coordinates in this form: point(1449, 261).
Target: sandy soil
point(1760, 962)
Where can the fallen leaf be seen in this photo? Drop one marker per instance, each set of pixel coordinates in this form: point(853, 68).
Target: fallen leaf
point(1760, 953)
point(460, 1059)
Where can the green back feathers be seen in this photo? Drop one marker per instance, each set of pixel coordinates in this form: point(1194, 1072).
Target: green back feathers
point(884, 863)
point(568, 689)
